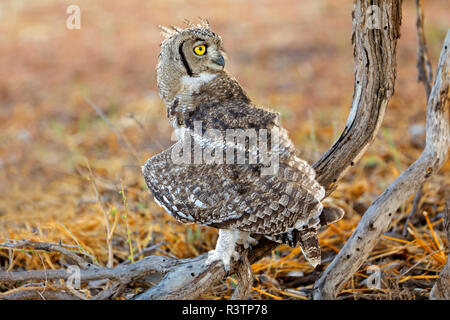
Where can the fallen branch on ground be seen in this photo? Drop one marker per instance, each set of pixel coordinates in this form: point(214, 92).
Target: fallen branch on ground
point(121, 276)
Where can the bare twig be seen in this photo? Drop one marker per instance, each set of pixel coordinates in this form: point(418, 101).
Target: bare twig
point(425, 72)
point(123, 141)
point(114, 290)
point(125, 206)
point(48, 247)
point(414, 210)
point(38, 294)
point(417, 263)
point(425, 75)
point(145, 250)
point(109, 231)
point(120, 277)
point(377, 218)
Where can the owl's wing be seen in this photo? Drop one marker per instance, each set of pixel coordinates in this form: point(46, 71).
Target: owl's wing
point(234, 196)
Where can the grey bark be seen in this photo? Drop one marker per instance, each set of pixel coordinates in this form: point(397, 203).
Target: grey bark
point(378, 217)
point(424, 75)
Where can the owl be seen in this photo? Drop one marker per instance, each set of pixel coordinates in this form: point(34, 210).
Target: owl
point(233, 167)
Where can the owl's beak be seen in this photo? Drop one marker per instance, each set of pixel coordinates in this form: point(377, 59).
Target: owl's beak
point(220, 61)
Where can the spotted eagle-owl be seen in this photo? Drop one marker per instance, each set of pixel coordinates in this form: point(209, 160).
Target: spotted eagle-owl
point(239, 198)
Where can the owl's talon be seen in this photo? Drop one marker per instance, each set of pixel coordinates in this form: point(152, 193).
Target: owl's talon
point(226, 247)
point(214, 256)
point(250, 242)
point(236, 256)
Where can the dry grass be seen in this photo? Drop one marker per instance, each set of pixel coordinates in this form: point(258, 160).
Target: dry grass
point(293, 56)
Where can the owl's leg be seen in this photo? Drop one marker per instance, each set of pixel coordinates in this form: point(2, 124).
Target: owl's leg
point(226, 247)
point(249, 241)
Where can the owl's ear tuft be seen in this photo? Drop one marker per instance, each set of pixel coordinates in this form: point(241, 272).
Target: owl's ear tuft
point(169, 31)
point(189, 23)
point(205, 23)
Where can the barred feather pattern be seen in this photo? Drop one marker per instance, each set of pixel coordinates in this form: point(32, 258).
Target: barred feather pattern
point(284, 206)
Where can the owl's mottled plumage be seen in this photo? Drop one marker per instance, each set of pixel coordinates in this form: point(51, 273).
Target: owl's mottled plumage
point(236, 198)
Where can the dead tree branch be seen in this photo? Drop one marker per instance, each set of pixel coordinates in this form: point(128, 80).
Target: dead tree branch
point(120, 276)
point(123, 273)
point(39, 294)
point(376, 28)
point(425, 75)
point(378, 217)
point(48, 247)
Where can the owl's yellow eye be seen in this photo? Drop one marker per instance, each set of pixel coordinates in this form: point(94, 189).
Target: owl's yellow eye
point(200, 50)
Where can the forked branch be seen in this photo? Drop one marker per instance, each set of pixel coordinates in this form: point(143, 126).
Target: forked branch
point(378, 217)
point(424, 75)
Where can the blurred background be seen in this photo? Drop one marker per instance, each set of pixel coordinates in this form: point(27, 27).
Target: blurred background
point(294, 57)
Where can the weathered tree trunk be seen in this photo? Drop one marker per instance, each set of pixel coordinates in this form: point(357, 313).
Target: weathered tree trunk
point(376, 28)
point(378, 217)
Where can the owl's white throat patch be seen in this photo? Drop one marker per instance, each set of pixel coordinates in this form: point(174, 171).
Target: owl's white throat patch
point(193, 84)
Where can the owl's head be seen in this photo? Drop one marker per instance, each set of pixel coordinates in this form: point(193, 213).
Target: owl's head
point(190, 52)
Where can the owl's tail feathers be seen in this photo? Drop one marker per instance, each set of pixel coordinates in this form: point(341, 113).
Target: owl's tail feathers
point(307, 237)
point(309, 243)
point(330, 215)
